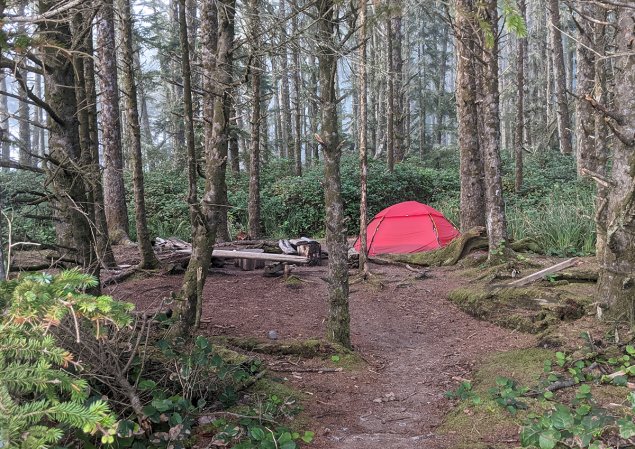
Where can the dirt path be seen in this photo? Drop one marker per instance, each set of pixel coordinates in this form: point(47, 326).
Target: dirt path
point(414, 339)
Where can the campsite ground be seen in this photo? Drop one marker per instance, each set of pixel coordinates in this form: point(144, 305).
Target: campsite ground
point(414, 345)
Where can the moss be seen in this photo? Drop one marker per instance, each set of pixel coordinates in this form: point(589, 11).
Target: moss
point(303, 348)
point(293, 282)
point(530, 309)
point(448, 255)
point(472, 425)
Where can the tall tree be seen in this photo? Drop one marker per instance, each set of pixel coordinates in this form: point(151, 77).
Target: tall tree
point(338, 322)
point(471, 163)
point(616, 284)
point(24, 116)
point(148, 258)
point(253, 206)
point(65, 178)
point(519, 134)
point(114, 191)
point(490, 136)
point(5, 142)
point(363, 141)
point(217, 40)
point(560, 78)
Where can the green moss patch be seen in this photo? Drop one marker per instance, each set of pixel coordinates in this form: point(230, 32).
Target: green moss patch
point(485, 424)
point(531, 310)
point(303, 348)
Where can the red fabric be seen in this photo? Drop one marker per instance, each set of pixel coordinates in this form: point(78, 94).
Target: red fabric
point(408, 227)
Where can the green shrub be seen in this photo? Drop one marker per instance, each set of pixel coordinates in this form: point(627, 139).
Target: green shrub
point(42, 398)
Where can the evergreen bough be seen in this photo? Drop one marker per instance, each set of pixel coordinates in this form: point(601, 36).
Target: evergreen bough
point(42, 397)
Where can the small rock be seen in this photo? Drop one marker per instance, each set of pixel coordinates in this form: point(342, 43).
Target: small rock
point(273, 335)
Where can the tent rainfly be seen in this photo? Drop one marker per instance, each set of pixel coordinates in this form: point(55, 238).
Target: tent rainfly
point(408, 227)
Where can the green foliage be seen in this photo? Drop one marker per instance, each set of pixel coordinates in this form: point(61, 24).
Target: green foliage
point(506, 394)
point(258, 429)
point(19, 192)
point(463, 392)
point(41, 395)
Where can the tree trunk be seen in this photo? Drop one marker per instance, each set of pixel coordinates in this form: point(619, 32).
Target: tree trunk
point(601, 140)
point(471, 166)
point(585, 116)
point(399, 132)
point(23, 107)
point(443, 67)
point(102, 241)
point(5, 143)
point(148, 258)
point(363, 140)
point(114, 191)
point(253, 206)
point(490, 139)
point(390, 104)
point(285, 96)
point(297, 109)
point(338, 322)
point(190, 143)
point(560, 76)
point(217, 70)
point(520, 105)
point(616, 283)
point(234, 150)
point(64, 178)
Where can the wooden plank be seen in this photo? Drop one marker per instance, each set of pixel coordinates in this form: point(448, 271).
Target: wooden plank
point(540, 274)
point(258, 256)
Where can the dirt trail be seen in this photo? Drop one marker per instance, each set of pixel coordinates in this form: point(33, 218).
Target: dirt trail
point(414, 339)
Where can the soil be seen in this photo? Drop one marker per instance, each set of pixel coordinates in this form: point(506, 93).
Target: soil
point(414, 343)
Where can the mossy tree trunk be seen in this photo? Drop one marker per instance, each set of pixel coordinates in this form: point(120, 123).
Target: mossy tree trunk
point(560, 77)
point(116, 209)
point(66, 176)
point(217, 39)
point(616, 284)
point(148, 258)
point(363, 142)
point(253, 207)
point(490, 137)
point(472, 212)
point(338, 323)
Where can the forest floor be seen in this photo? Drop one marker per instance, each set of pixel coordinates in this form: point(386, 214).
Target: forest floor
point(413, 346)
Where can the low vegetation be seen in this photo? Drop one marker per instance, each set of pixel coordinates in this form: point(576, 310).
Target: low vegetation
point(554, 209)
point(63, 351)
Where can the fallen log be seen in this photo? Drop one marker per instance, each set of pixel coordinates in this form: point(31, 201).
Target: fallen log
point(540, 274)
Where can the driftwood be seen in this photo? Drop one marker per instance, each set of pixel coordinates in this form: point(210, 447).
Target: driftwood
point(540, 274)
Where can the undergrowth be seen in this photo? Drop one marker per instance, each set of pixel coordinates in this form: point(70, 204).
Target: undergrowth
point(579, 401)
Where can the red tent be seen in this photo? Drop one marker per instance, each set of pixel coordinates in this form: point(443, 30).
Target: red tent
point(408, 227)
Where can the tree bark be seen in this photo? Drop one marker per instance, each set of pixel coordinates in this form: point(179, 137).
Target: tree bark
point(363, 141)
point(94, 185)
point(23, 107)
point(114, 191)
point(616, 283)
point(66, 178)
point(519, 135)
point(472, 210)
point(442, 73)
point(217, 39)
point(601, 140)
point(253, 206)
point(148, 258)
point(338, 322)
point(297, 107)
point(560, 77)
point(585, 116)
point(390, 104)
point(5, 143)
point(490, 139)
